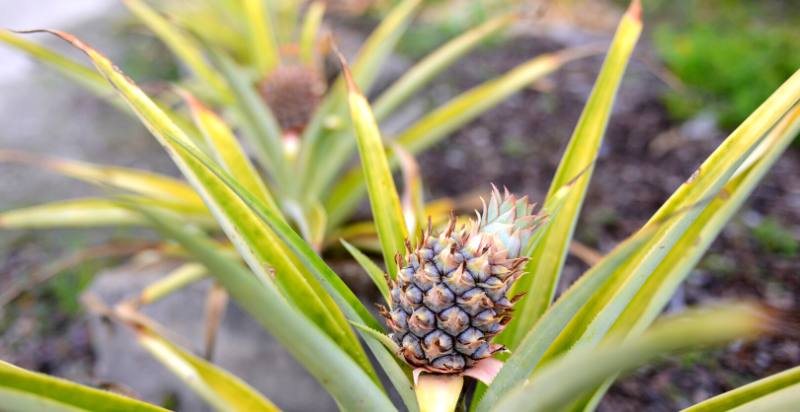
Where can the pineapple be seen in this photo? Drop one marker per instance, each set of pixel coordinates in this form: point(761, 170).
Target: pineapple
point(451, 293)
point(293, 93)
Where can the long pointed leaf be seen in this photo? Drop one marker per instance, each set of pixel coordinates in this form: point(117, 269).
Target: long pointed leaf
point(743, 395)
point(23, 391)
point(547, 261)
point(253, 239)
point(558, 384)
point(182, 45)
point(216, 386)
point(373, 271)
point(599, 314)
point(538, 339)
point(677, 264)
point(343, 198)
point(373, 53)
point(227, 150)
point(261, 36)
point(383, 197)
point(145, 183)
point(344, 379)
point(90, 212)
point(440, 59)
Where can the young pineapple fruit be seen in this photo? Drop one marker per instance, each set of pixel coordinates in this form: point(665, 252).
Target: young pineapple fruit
point(293, 93)
point(450, 297)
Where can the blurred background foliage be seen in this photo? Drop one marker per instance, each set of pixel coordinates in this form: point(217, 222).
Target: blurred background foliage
point(729, 54)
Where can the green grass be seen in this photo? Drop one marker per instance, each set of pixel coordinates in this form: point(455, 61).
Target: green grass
point(729, 54)
point(772, 236)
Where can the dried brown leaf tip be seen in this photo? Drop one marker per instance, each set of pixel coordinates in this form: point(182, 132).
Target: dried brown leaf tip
point(450, 297)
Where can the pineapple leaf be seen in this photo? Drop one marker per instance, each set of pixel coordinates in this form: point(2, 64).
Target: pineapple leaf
point(22, 390)
point(558, 385)
point(433, 64)
point(153, 185)
point(413, 202)
point(384, 201)
point(381, 337)
point(748, 395)
point(547, 260)
point(91, 212)
point(310, 31)
point(343, 198)
point(175, 280)
point(316, 150)
point(221, 389)
point(595, 319)
point(260, 127)
point(182, 45)
point(342, 377)
point(83, 75)
point(677, 264)
point(254, 240)
point(261, 36)
point(227, 150)
point(80, 74)
point(373, 271)
point(533, 346)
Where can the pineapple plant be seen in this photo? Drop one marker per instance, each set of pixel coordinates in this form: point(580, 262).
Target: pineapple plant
point(450, 289)
point(254, 91)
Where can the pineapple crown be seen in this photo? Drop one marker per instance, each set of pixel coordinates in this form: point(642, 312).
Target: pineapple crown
point(450, 297)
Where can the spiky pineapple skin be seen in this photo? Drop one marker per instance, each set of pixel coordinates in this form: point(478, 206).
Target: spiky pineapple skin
point(450, 297)
point(293, 93)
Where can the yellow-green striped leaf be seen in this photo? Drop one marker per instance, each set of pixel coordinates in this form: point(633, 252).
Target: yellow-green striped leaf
point(547, 260)
point(558, 385)
point(184, 46)
point(227, 151)
point(385, 202)
point(25, 391)
point(261, 36)
point(221, 389)
point(254, 240)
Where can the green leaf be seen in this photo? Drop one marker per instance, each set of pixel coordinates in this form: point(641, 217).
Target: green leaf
point(381, 337)
point(678, 263)
point(221, 389)
point(530, 350)
point(384, 201)
point(547, 261)
point(175, 280)
point(227, 151)
point(339, 374)
point(148, 184)
point(413, 200)
point(90, 212)
point(182, 45)
point(317, 146)
point(258, 123)
point(260, 36)
point(599, 314)
point(309, 32)
point(747, 394)
point(343, 198)
point(557, 385)
point(439, 60)
point(24, 391)
point(373, 271)
point(79, 73)
point(255, 241)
